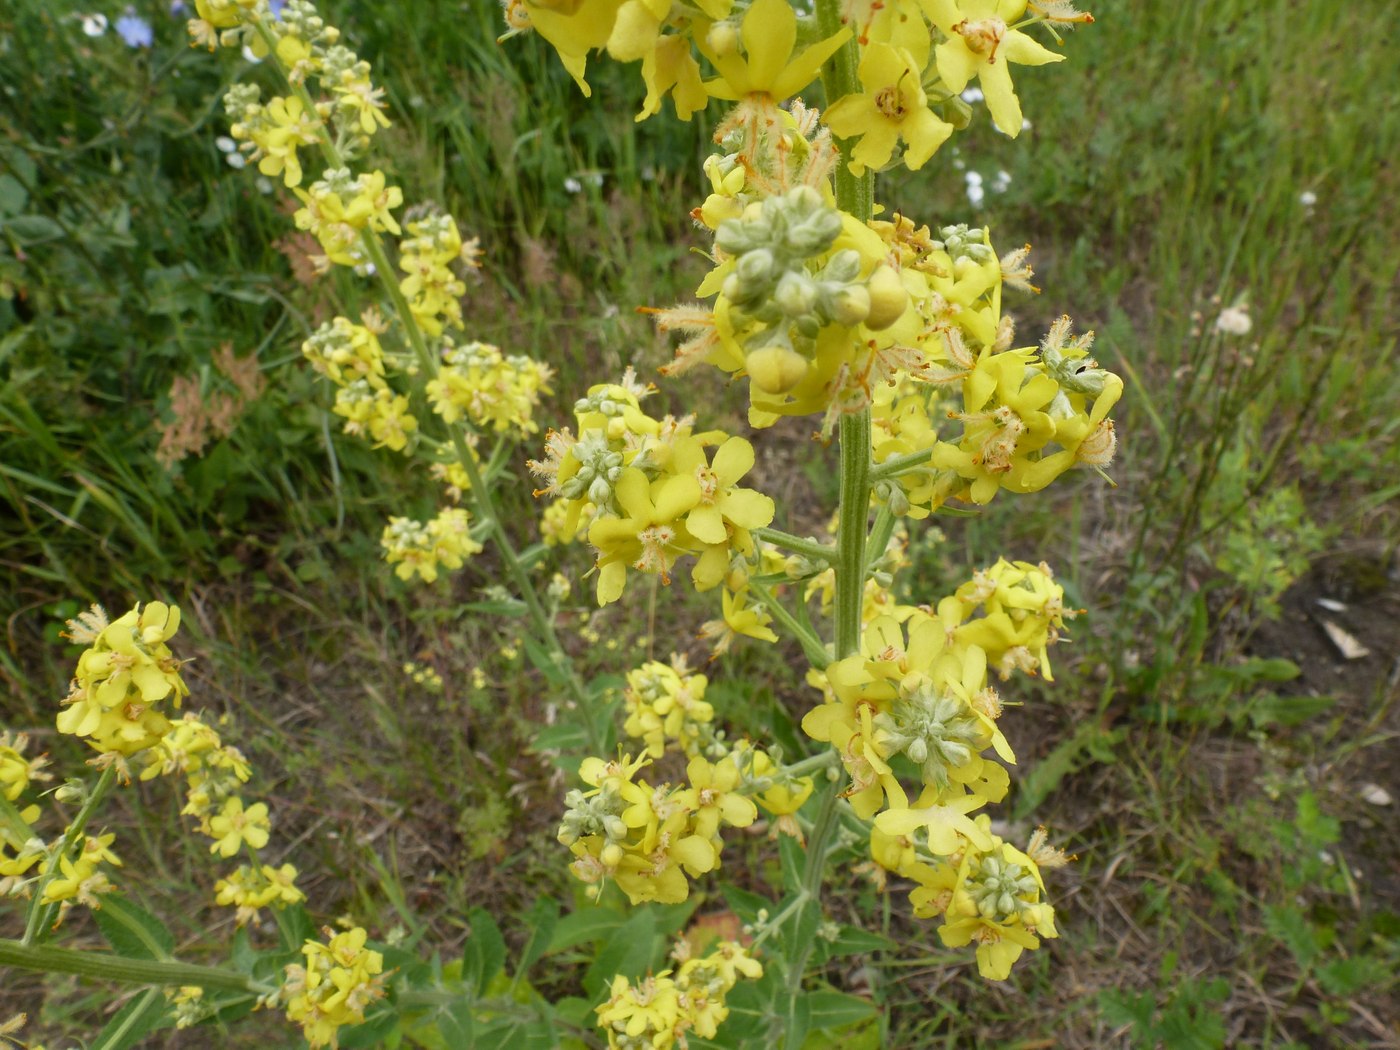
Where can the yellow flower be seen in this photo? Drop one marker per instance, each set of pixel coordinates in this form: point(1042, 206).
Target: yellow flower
point(981, 43)
point(892, 107)
point(669, 67)
point(769, 34)
point(235, 826)
point(712, 797)
point(648, 535)
point(739, 619)
point(945, 820)
point(291, 126)
point(574, 27)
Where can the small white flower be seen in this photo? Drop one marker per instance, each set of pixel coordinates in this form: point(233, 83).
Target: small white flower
point(94, 25)
point(1376, 795)
point(225, 144)
point(235, 160)
point(975, 193)
point(1307, 198)
point(265, 185)
point(1001, 182)
point(972, 94)
point(572, 185)
point(1234, 320)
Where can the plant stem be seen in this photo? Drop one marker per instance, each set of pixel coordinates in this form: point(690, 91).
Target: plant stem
point(855, 196)
point(811, 765)
point(430, 366)
point(897, 465)
point(797, 544)
point(812, 646)
point(119, 968)
point(38, 910)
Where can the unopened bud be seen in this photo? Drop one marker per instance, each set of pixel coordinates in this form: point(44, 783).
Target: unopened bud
point(756, 267)
point(723, 39)
point(1097, 450)
point(796, 294)
point(888, 299)
point(775, 369)
point(851, 305)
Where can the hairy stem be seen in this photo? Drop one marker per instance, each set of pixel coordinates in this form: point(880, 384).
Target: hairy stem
point(855, 196)
point(39, 912)
point(119, 968)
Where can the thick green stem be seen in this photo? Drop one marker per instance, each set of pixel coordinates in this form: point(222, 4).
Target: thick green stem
point(39, 911)
point(429, 365)
point(49, 959)
point(855, 196)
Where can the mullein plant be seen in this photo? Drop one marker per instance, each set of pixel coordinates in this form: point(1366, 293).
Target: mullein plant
point(888, 334)
point(894, 337)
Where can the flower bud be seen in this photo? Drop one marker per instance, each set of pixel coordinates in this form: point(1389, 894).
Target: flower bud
point(775, 369)
point(796, 293)
point(722, 39)
point(756, 267)
point(888, 299)
point(843, 267)
point(600, 492)
point(850, 306)
point(612, 855)
point(1098, 448)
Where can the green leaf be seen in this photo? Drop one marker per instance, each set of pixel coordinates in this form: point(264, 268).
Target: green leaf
point(794, 859)
point(585, 926)
point(485, 952)
point(852, 940)
point(294, 926)
point(133, 931)
point(134, 1020)
point(543, 919)
point(747, 905)
point(1259, 670)
point(1273, 710)
point(13, 196)
point(378, 1030)
point(545, 663)
point(832, 1009)
point(1345, 977)
point(1090, 740)
point(629, 951)
point(799, 1022)
point(1124, 1008)
point(1291, 926)
point(1316, 827)
point(32, 229)
point(456, 1024)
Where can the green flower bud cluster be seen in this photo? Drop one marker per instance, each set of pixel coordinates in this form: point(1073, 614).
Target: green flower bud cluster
point(998, 886)
point(243, 103)
point(773, 245)
point(599, 814)
point(934, 729)
point(962, 242)
point(600, 468)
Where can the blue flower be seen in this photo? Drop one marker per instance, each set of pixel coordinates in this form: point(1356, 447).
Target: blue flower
point(134, 30)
